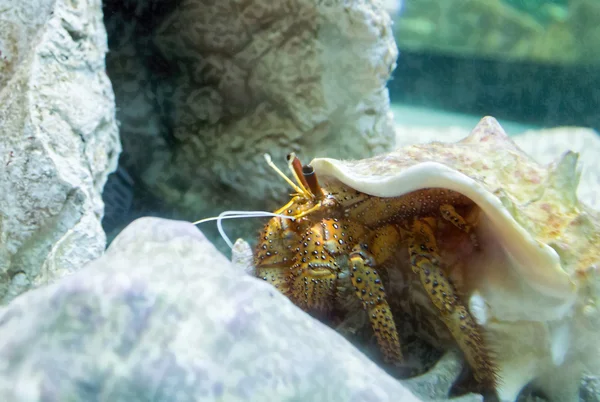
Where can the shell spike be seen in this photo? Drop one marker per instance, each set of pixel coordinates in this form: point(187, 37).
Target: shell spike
point(489, 130)
point(564, 175)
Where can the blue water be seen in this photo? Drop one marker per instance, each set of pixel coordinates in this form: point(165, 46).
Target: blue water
point(542, 95)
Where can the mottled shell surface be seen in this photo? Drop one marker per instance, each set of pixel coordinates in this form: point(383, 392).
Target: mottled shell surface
point(534, 286)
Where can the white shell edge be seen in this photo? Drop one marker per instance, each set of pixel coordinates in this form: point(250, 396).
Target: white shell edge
point(539, 263)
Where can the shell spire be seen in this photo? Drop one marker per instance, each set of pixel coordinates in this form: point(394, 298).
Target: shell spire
point(489, 130)
point(564, 175)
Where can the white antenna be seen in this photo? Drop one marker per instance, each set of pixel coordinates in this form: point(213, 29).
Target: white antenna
point(235, 215)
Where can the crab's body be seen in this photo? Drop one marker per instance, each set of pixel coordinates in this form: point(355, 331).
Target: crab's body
point(504, 253)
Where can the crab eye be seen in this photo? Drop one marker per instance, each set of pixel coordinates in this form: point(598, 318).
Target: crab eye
point(307, 170)
point(311, 179)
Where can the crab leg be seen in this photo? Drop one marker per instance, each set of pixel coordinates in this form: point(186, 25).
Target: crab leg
point(276, 276)
point(425, 261)
point(369, 289)
point(449, 213)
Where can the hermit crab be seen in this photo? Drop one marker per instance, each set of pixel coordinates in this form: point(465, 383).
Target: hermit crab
point(497, 248)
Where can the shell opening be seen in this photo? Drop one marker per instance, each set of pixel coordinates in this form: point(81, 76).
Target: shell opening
point(515, 260)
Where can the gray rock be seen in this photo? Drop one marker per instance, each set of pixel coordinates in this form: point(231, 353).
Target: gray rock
point(436, 383)
point(206, 88)
point(58, 139)
point(163, 316)
point(590, 389)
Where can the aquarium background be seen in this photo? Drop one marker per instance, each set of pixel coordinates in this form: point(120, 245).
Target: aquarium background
point(177, 102)
point(529, 63)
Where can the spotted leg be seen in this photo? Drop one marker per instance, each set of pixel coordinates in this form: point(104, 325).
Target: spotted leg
point(276, 276)
point(369, 289)
point(425, 261)
point(449, 213)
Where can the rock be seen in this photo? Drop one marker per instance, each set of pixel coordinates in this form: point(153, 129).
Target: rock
point(437, 382)
point(206, 88)
point(58, 139)
point(163, 316)
point(393, 7)
point(590, 390)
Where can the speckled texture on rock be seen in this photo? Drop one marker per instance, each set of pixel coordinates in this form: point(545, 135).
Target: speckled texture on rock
point(230, 80)
point(163, 316)
point(58, 139)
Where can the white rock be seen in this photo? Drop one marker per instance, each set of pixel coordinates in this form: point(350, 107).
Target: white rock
point(58, 139)
point(393, 7)
point(163, 316)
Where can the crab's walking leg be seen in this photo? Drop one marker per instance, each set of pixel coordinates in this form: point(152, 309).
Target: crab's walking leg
point(449, 213)
point(424, 259)
point(369, 289)
point(276, 276)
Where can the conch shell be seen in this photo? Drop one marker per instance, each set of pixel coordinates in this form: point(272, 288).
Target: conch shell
point(532, 286)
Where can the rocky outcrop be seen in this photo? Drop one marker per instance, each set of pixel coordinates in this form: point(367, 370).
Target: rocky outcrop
point(206, 88)
point(58, 139)
point(163, 316)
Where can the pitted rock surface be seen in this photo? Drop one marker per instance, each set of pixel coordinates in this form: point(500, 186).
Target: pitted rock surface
point(163, 316)
point(206, 88)
point(58, 139)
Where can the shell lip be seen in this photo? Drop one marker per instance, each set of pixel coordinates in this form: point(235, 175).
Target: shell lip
point(539, 263)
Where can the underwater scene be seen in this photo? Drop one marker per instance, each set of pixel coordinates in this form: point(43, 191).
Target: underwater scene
point(300, 200)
